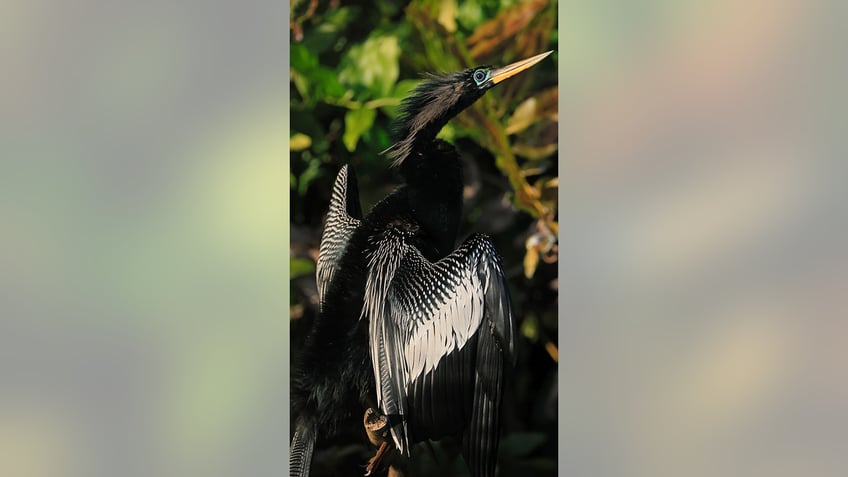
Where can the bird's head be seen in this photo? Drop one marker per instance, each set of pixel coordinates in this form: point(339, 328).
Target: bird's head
point(441, 97)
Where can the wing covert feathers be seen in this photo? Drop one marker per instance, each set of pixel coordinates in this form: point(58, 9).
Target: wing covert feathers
point(302, 445)
point(342, 219)
point(440, 335)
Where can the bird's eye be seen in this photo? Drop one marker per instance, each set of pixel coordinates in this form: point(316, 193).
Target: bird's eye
point(480, 76)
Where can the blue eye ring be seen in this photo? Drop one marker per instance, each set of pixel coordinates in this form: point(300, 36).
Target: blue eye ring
point(480, 76)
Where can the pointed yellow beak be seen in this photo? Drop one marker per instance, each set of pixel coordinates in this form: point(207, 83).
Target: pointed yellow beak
point(513, 69)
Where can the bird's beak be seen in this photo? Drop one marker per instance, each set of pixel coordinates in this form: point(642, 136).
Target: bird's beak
point(513, 69)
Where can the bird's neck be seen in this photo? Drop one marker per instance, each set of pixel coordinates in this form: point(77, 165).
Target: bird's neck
point(434, 191)
point(419, 139)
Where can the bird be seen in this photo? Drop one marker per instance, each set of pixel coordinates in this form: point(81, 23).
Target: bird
point(409, 324)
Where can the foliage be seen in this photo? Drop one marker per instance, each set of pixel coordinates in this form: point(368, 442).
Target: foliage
point(351, 66)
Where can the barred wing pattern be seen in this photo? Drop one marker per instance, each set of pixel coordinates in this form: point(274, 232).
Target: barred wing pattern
point(441, 334)
point(302, 445)
point(342, 219)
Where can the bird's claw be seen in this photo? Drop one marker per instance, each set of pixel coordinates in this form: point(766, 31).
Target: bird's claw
point(374, 462)
point(377, 427)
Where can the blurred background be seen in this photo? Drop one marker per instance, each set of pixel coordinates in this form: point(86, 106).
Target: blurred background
point(143, 243)
point(145, 292)
point(350, 68)
point(702, 239)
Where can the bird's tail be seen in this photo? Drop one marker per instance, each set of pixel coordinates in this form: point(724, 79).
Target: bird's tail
point(302, 445)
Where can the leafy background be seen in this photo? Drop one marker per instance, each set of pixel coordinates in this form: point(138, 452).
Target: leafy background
point(350, 68)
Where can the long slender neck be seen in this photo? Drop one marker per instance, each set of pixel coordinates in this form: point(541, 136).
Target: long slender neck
point(434, 184)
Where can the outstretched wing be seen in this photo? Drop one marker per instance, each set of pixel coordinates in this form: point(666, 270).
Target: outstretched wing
point(342, 219)
point(440, 334)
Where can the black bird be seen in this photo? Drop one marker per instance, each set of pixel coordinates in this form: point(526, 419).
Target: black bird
point(407, 323)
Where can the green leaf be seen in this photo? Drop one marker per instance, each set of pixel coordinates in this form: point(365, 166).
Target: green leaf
point(326, 34)
point(313, 80)
point(372, 65)
point(469, 15)
point(357, 121)
point(448, 133)
point(302, 59)
point(313, 170)
point(300, 266)
point(327, 84)
point(530, 328)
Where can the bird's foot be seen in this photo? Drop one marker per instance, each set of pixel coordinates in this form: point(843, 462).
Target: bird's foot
point(377, 427)
point(374, 462)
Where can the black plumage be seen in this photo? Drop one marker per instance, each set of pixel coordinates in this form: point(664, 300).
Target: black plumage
point(441, 334)
point(407, 324)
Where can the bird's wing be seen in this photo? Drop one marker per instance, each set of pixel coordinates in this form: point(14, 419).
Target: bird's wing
point(342, 219)
point(440, 334)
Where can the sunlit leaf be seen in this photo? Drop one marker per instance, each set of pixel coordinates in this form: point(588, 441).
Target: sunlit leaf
point(532, 152)
point(552, 350)
point(530, 328)
point(448, 133)
point(447, 15)
point(372, 65)
point(531, 261)
point(539, 107)
point(299, 142)
point(524, 116)
point(357, 121)
point(301, 84)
